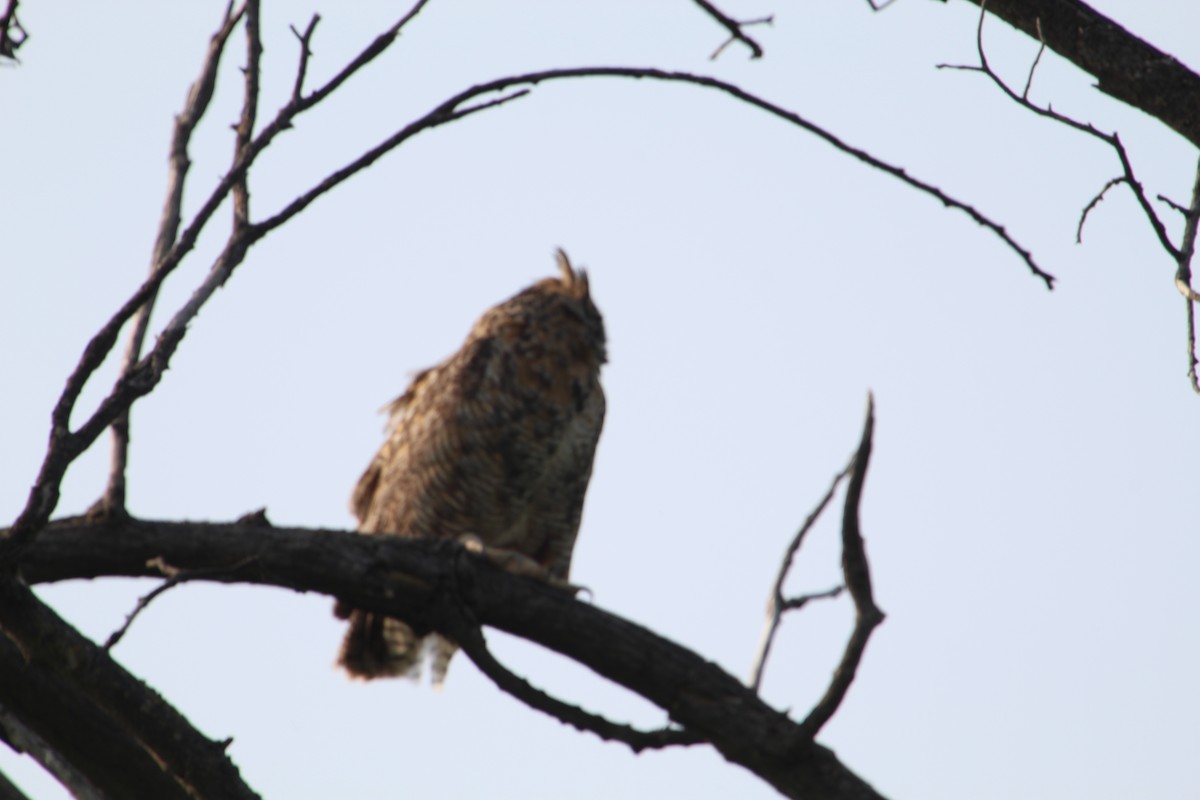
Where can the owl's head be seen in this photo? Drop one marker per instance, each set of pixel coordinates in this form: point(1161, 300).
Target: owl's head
point(574, 284)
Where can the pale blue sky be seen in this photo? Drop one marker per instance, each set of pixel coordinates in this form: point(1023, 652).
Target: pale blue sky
point(1030, 512)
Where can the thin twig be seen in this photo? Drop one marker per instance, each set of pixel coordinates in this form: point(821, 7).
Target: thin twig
point(66, 445)
point(305, 53)
point(245, 127)
point(174, 577)
point(879, 6)
point(1113, 140)
point(9, 25)
point(1095, 201)
point(1182, 209)
point(1036, 60)
point(199, 95)
point(857, 573)
point(23, 739)
point(777, 605)
point(800, 601)
point(1183, 278)
point(736, 34)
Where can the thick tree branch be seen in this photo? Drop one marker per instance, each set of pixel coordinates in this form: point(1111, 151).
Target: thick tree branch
point(82, 746)
point(430, 582)
point(66, 445)
point(1126, 67)
point(45, 648)
point(1113, 140)
point(469, 636)
point(1183, 278)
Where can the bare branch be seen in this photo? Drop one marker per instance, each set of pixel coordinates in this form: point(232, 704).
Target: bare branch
point(1182, 209)
point(65, 446)
point(439, 116)
point(199, 95)
point(9, 790)
point(800, 601)
point(175, 577)
point(22, 739)
point(1111, 139)
point(735, 28)
point(778, 604)
point(857, 574)
point(470, 638)
point(1095, 201)
point(450, 110)
point(429, 582)
point(305, 53)
point(369, 54)
point(1126, 68)
point(245, 126)
point(85, 677)
point(1183, 277)
point(1036, 60)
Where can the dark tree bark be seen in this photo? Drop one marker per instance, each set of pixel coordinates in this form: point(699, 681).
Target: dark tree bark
point(440, 585)
point(1126, 67)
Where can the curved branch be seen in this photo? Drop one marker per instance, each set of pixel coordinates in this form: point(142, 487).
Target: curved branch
point(469, 637)
point(858, 581)
point(439, 579)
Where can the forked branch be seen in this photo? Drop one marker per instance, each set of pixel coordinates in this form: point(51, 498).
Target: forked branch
point(857, 574)
point(469, 636)
point(1180, 254)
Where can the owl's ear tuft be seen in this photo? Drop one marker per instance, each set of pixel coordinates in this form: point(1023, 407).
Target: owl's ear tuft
point(575, 280)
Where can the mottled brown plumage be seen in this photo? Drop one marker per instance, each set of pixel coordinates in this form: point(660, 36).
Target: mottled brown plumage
point(495, 442)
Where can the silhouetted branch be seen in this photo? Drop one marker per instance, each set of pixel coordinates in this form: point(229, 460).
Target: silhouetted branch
point(1126, 68)
point(857, 574)
point(12, 35)
point(778, 604)
point(1111, 139)
point(141, 378)
point(430, 582)
point(470, 638)
point(21, 739)
point(1183, 277)
point(122, 735)
point(735, 28)
point(1095, 201)
point(1129, 46)
point(9, 790)
point(199, 95)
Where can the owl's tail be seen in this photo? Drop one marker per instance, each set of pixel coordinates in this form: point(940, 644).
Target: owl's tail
point(377, 646)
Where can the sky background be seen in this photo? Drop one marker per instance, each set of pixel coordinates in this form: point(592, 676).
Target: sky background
point(1030, 512)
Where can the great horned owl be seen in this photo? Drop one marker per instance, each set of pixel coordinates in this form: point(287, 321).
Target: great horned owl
point(496, 442)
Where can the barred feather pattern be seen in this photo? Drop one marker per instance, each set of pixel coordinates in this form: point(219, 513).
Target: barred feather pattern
point(497, 442)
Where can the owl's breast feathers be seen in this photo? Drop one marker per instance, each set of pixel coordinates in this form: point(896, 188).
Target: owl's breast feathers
point(498, 440)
